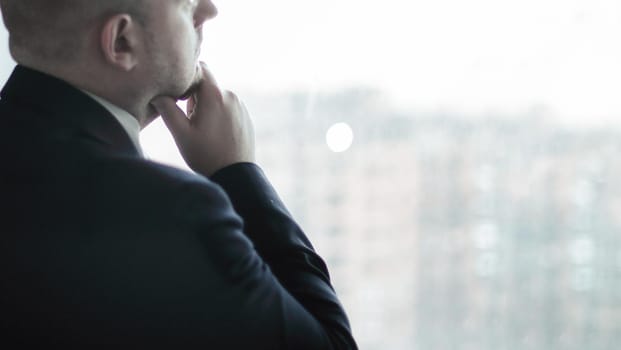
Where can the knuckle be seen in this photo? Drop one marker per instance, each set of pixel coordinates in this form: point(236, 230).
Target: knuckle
point(230, 96)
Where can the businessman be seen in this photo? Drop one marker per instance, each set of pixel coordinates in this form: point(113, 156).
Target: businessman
point(101, 248)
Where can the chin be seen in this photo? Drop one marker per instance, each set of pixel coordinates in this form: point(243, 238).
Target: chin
point(192, 89)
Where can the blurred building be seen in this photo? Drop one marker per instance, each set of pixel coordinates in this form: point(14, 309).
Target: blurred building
point(450, 233)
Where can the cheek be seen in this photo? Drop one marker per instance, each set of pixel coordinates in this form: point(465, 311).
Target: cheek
point(181, 54)
point(186, 34)
point(186, 47)
point(179, 39)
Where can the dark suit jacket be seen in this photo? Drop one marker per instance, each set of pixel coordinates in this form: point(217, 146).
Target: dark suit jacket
point(101, 248)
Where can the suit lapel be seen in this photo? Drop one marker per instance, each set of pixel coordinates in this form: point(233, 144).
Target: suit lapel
point(65, 106)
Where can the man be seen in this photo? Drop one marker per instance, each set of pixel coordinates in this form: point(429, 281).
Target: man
point(102, 248)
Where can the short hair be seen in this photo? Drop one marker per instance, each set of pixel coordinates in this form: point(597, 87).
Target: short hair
point(49, 29)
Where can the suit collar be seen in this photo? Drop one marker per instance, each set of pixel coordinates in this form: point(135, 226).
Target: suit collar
point(66, 106)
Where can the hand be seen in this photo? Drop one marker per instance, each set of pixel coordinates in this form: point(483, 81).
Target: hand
point(216, 131)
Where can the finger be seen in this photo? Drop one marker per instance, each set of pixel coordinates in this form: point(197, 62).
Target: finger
point(208, 100)
point(191, 105)
point(176, 121)
point(208, 77)
point(208, 94)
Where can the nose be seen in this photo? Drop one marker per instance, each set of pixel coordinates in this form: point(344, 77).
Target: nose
point(205, 11)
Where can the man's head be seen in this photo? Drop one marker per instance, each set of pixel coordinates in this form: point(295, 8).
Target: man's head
point(51, 29)
point(127, 51)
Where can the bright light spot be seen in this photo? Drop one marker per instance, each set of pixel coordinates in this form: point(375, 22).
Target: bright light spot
point(582, 251)
point(486, 235)
point(339, 137)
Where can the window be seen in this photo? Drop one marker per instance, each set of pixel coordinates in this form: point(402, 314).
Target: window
point(478, 205)
point(475, 198)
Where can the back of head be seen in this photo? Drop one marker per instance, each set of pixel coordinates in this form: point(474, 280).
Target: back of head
point(56, 30)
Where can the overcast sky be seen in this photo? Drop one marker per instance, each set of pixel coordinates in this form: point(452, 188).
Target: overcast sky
point(467, 56)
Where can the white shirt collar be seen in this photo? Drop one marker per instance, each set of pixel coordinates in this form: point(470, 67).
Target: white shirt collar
point(127, 121)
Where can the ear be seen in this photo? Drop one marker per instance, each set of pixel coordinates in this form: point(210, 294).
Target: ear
point(119, 41)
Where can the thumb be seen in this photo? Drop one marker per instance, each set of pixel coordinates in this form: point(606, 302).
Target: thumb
point(175, 119)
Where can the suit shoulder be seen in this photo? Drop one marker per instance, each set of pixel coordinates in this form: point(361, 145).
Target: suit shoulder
point(143, 173)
